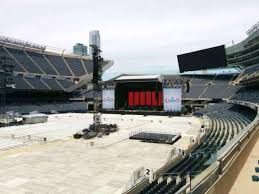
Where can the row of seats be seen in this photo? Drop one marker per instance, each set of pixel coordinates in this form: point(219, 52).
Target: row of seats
point(211, 86)
point(34, 62)
point(48, 108)
point(249, 94)
point(225, 123)
point(28, 83)
point(248, 72)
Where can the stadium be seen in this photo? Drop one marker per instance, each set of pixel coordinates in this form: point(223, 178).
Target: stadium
point(183, 133)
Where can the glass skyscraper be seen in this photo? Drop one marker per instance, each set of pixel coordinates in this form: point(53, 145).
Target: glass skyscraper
point(80, 49)
point(94, 39)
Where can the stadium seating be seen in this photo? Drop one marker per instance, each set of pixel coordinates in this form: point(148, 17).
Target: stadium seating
point(209, 92)
point(44, 83)
point(5, 54)
point(79, 105)
point(195, 91)
point(76, 66)
point(24, 60)
point(211, 86)
point(52, 83)
point(88, 65)
point(65, 83)
point(36, 83)
point(42, 63)
point(249, 94)
point(228, 92)
point(21, 84)
point(59, 64)
point(62, 107)
point(226, 121)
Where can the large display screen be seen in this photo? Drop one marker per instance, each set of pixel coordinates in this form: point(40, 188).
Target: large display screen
point(172, 99)
point(108, 99)
point(203, 59)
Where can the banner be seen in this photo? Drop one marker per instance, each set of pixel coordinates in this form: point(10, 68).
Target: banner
point(108, 99)
point(172, 99)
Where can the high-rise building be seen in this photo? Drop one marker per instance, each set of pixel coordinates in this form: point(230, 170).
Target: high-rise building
point(94, 39)
point(79, 48)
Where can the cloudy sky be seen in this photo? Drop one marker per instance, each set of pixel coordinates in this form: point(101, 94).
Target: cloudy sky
point(141, 36)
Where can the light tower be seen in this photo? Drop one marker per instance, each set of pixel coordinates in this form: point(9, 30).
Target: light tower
point(97, 76)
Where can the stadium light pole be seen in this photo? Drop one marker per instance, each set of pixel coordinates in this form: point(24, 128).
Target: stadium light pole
point(97, 76)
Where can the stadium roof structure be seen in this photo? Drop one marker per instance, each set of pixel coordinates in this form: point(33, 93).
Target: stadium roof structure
point(5, 40)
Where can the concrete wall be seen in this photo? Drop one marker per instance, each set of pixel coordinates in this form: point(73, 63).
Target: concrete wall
point(227, 179)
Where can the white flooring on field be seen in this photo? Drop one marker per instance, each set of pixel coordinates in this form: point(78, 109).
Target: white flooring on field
point(66, 165)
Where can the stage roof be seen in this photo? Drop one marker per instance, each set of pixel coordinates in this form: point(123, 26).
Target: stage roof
point(138, 77)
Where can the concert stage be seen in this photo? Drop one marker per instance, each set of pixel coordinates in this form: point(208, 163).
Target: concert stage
point(141, 112)
point(142, 94)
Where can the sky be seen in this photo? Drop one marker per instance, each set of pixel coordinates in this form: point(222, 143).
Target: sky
point(141, 36)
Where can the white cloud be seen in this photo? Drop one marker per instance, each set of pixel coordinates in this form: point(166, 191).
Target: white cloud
point(140, 35)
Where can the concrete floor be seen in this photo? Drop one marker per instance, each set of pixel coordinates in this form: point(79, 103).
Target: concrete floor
point(65, 165)
point(75, 167)
point(244, 183)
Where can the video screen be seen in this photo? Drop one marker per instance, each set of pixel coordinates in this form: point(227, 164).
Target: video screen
point(203, 59)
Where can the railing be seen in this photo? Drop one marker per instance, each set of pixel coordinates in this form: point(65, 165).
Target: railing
point(227, 153)
point(43, 48)
point(24, 137)
point(169, 163)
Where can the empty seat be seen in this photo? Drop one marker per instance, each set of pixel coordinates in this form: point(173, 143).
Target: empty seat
point(22, 58)
point(59, 64)
point(76, 66)
point(42, 62)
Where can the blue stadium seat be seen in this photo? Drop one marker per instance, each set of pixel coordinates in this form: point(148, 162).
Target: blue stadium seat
point(17, 67)
point(36, 83)
point(42, 62)
point(65, 83)
point(88, 65)
point(24, 60)
point(76, 66)
point(59, 64)
point(52, 83)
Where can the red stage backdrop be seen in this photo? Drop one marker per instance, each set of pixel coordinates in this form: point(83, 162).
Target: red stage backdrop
point(130, 99)
point(145, 98)
point(136, 98)
point(142, 101)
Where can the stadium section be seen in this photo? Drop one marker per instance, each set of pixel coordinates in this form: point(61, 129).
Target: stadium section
point(38, 70)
